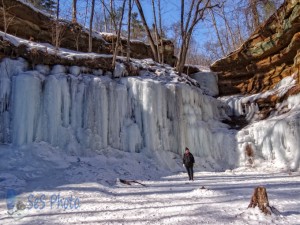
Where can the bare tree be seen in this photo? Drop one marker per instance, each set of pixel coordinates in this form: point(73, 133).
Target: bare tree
point(74, 12)
point(86, 12)
point(129, 29)
point(91, 27)
point(255, 14)
point(118, 35)
point(104, 16)
point(57, 10)
point(57, 26)
point(229, 30)
point(195, 13)
point(7, 20)
point(155, 31)
point(112, 17)
point(217, 31)
point(148, 32)
point(161, 32)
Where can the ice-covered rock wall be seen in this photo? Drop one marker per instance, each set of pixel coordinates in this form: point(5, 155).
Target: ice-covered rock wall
point(275, 139)
point(246, 105)
point(79, 112)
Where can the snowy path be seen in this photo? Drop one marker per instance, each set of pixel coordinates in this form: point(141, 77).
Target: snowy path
point(173, 200)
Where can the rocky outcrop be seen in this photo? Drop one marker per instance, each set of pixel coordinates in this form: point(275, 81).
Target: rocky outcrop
point(37, 26)
point(270, 54)
point(37, 56)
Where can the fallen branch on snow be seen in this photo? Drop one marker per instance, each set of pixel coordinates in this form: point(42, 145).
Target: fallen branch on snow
point(129, 182)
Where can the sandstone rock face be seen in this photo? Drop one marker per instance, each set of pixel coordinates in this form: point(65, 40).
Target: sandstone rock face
point(39, 27)
point(270, 54)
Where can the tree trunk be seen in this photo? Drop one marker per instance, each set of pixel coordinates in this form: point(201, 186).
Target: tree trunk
point(128, 30)
point(118, 35)
point(253, 6)
point(91, 27)
point(112, 17)
point(183, 52)
point(57, 28)
point(194, 15)
point(229, 29)
point(57, 10)
point(104, 15)
point(74, 12)
point(241, 40)
point(217, 31)
point(155, 31)
point(86, 12)
point(4, 18)
point(260, 199)
point(151, 42)
point(161, 33)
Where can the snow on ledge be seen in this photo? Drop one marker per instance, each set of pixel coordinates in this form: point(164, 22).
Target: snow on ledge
point(146, 67)
point(50, 49)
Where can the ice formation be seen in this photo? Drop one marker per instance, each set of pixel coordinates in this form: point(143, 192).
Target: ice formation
point(76, 111)
point(275, 139)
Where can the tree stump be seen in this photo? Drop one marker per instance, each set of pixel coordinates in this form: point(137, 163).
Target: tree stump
point(260, 199)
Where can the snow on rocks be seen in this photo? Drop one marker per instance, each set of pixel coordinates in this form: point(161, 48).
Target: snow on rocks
point(120, 70)
point(50, 49)
point(276, 138)
point(208, 82)
point(247, 105)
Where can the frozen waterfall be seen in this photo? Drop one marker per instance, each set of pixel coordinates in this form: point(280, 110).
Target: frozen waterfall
point(136, 114)
point(78, 112)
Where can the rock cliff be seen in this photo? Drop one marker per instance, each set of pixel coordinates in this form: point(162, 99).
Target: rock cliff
point(31, 24)
point(270, 54)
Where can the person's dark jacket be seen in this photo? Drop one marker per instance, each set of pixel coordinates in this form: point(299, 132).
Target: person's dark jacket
point(188, 159)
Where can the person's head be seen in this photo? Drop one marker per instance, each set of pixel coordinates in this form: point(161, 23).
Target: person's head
point(187, 150)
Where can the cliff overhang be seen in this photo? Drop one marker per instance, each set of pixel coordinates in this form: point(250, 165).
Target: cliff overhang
point(270, 54)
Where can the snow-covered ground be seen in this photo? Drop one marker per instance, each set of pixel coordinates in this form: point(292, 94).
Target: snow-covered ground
point(168, 198)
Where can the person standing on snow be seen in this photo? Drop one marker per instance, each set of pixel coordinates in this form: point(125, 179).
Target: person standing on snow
point(188, 163)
